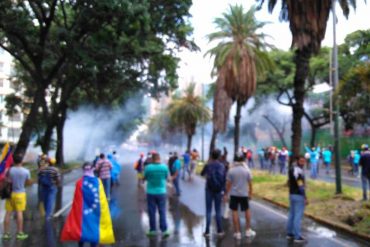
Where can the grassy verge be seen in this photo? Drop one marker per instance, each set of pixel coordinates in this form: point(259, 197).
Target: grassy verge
point(346, 210)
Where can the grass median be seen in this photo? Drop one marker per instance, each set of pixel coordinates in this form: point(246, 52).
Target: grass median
point(345, 211)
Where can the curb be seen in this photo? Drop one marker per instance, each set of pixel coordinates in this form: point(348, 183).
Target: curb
point(322, 221)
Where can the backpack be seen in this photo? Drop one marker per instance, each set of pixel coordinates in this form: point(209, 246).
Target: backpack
point(45, 180)
point(171, 162)
point(216, 180)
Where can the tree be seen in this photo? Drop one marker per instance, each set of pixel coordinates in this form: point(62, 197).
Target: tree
point(187, 112)
point(239, 57)
point(90, 50)
point(307, 21)
point(279, 84)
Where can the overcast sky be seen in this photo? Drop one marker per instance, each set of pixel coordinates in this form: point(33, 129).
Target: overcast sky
point(194, 66)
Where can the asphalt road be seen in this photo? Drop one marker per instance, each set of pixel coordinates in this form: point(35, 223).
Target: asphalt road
point(185, 218)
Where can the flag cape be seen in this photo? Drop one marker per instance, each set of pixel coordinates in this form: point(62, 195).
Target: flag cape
point(89, 219)
point(6, 160)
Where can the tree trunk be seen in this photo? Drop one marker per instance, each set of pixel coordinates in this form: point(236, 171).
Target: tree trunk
point(313, 136)
point(59, 154)
point(237, 127)
point(280, 133)
point(190, 137)
point(212, 145)
point(60, 137)
point(29, 125)
point(301, 61)
point(46, 139)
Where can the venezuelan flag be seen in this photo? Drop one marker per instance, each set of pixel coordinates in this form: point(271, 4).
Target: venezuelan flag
point(6, 160)
point(89, 219)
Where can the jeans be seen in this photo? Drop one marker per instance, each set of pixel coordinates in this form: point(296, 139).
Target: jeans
point(296, 210)
point(327, 165)
point(365, 182)
point(186, 169)
point(48, 196)
point(217, 199)
point(250, 163)
point(262, 163)
point(106, 184)
point(157, 202)
point(313, 169)
point(176, 184)
point(282, 166)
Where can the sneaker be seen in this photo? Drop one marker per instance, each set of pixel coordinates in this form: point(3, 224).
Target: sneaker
point(165, 234)
point(206, 235)
point(237, 235)
point(300, 240)
point(6, 236)
point(289, 236)
point(250, 233)
point(220, 234)
point(22, 236)
point(151, 234)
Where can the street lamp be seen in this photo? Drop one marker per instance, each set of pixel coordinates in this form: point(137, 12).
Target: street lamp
point(338, 181)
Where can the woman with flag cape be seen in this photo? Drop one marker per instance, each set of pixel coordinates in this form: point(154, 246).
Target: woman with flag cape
point(89, 220)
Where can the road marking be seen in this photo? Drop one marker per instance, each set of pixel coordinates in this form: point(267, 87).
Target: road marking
point(57, 214)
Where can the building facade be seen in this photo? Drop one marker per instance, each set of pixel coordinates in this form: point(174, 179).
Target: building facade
point(10, 126)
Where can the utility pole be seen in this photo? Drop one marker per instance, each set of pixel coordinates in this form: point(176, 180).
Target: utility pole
point(338, 180)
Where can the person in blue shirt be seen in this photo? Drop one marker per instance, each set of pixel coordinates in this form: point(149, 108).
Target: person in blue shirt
point(174, 165)
point(326, 156)
point(261, 157)
point(356, 161)
point(186, 167)
point(314, 158)
point(156, 174)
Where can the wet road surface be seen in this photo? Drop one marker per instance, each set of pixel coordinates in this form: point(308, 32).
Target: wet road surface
point(185, 218)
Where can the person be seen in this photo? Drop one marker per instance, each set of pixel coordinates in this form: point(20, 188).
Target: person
point(314, 156)
point(239, 188)
point(139, 167)
point(156, 175)
point(89, 220)
point(283, 157)
point(19, 177)
point(365, 170)
point(249, 156)
point(297, 200)
point(214, 172)
point(261, 157)
point(115, 171)
point(104, 168)
point(174, 166)
point(193, 163)
point(326, 156)
point(49, 179)
point(186, 167)
point(272, 158)
point(356, 161)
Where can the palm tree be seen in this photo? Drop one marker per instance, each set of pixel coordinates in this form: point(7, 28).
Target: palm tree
point(307, 21)
point(239, 57)
point(187, 112)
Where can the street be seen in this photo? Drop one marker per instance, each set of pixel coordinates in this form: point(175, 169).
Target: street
point(185, 219)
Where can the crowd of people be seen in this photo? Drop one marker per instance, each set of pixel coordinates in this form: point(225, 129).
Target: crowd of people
point(228, 182)
point(232, 183)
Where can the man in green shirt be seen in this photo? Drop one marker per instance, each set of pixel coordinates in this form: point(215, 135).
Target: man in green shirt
point(156, 174)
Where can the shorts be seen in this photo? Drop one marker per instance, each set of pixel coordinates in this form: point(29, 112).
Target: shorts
point(16, 202)
point(236, 201)
point(140, 175)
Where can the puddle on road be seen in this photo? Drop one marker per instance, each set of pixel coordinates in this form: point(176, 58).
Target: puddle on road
point(322, 231)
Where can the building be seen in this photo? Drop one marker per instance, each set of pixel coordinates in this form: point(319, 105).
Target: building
point(10, 127)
